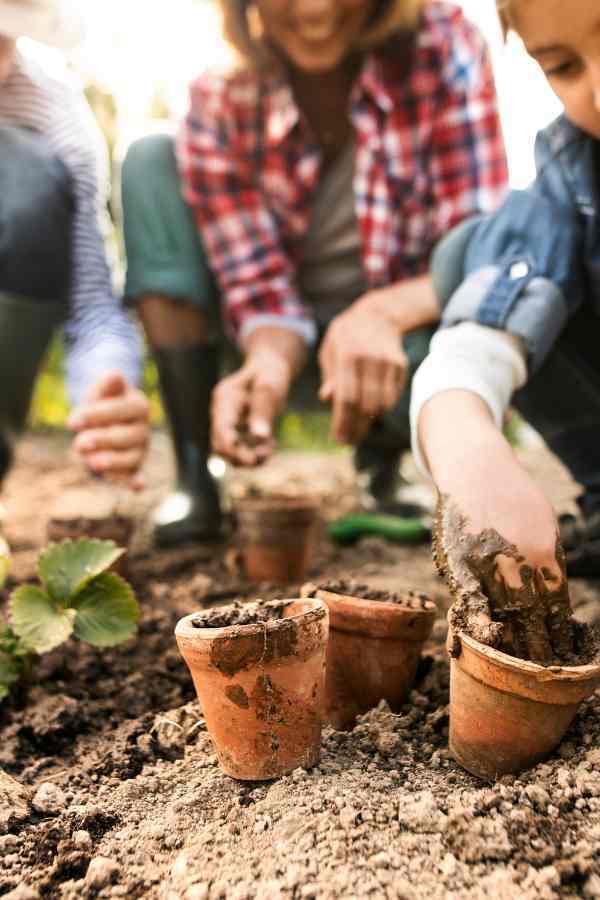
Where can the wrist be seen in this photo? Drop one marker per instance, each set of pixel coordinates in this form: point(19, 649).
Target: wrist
point(405, 306)
point(278, 347)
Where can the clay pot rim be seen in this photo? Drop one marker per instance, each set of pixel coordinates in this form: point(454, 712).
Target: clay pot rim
point(278, 503)
point(374, 605)
point(315, 611)
point(538, 672)
point(377, 618)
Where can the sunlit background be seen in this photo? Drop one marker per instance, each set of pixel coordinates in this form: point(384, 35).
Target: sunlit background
point(139, 57)
point(145, 52)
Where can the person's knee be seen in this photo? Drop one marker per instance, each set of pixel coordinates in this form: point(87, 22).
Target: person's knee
point(146, 160)
point(36, 212)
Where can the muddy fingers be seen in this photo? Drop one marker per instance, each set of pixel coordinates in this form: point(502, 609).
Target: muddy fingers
point(498, 598)
point(470, 610)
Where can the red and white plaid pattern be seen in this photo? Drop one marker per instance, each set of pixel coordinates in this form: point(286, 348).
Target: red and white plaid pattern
point(429, 153)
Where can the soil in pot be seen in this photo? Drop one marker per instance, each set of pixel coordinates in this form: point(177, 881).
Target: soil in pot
point(520, 663)
point(375, 644)
point(259, 674)
point(277, 536)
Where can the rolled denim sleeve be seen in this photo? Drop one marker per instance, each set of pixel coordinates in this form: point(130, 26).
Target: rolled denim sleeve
point(523, 266)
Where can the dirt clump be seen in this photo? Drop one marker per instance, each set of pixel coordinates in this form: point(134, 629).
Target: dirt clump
point(351, 588)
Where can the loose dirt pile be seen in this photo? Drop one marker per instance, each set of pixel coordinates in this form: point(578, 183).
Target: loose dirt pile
point(127, 799)
point(241, 614)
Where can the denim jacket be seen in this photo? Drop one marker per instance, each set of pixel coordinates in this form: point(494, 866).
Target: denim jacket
point(529, 267)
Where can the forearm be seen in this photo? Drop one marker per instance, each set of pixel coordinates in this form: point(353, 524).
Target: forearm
point(407, 304)
point(455, 430)
point(272, 345)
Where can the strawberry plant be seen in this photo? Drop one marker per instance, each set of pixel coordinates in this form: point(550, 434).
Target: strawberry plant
point(77, 597)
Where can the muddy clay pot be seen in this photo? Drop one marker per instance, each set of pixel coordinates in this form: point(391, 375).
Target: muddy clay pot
point(373, 653)
point(277, 537)
point(261, 689)
point(507, 714)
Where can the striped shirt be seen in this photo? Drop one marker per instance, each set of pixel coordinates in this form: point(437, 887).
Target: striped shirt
point(99, 334)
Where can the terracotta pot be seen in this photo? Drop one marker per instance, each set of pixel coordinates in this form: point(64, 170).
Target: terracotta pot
point(373, 653)
point(277, 538)
point(507, 714)
point(261, 689)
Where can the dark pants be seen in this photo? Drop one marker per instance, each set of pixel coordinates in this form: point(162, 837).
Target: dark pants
point(165, 256)
point(36, 209)
point(562, 400)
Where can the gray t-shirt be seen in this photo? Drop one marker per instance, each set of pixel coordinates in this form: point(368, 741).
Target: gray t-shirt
point(331, 273)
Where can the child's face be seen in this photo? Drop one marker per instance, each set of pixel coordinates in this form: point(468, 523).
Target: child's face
point(315, 35)
point(564, 37)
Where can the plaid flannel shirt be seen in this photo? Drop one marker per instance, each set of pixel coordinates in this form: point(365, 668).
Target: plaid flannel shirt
point(429, 153)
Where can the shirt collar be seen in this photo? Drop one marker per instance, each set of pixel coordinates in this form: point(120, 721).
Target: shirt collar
point(283, 114)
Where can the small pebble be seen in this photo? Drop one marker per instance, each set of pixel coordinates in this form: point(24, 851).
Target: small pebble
point(102, 872)
point(49, 799)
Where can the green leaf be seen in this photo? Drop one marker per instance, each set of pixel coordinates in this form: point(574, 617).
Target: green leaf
point(10, 671)
point(4, 562)
point(38, 621)
point(107, 611)
point(66, 568)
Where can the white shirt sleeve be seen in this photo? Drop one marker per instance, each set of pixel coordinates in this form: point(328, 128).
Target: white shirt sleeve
point(468, 357)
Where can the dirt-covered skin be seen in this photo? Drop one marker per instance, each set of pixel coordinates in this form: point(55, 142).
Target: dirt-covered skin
point(531, 622)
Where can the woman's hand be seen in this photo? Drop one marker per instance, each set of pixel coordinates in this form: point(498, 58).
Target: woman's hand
point(246, 404)
point(363, 369)
point(496, 536)
point(112, 430)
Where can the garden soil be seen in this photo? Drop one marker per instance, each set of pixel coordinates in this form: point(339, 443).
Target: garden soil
point(127, 799)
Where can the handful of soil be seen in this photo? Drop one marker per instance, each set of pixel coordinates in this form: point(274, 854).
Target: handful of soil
point(532, 622)
point(351, 588)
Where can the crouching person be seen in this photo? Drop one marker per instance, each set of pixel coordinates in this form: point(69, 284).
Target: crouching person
point(520, 325)
point(53, 264)
point(301, 208)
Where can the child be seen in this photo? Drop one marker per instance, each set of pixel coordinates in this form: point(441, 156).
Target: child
point(524, 320)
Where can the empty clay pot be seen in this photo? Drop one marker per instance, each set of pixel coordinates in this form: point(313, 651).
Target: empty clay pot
point(261, 688)
point(277, 537)
point(373, 653)
point(508, 714)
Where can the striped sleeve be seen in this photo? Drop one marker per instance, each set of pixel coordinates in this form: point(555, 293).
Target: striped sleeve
point(100, 334)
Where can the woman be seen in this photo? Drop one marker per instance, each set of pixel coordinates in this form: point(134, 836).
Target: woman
point(319, 175)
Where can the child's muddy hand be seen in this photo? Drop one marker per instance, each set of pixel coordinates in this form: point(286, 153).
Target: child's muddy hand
point(498, 598)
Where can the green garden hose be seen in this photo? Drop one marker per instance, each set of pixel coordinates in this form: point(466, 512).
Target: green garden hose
point(393, 528)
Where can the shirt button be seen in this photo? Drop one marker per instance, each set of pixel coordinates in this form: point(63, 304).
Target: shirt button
point(518, 270)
